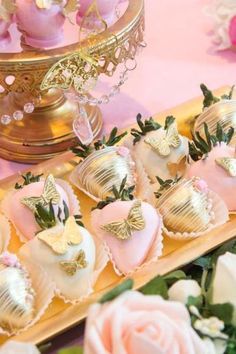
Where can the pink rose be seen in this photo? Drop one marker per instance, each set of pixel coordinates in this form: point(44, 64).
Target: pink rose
point(136, 324)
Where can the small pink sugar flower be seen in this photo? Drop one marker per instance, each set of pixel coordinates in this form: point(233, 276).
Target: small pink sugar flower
point(200, 185)
point(123, 151)
point(10, 260)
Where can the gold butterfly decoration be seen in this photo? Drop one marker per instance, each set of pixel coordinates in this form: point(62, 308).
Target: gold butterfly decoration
point(162, 145)
point(71, 267)
point(123, 229)
point(228, 164)
point(78, 70)
point(50, 194)
point(60, 237)
point(177, 169)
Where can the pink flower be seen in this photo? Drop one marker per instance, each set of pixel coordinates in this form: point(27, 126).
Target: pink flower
point(136, 324)
point(232, 30)
point(200, 185)
point(9, 259)
point(123, 151)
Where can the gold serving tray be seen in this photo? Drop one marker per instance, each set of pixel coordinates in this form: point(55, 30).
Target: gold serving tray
point(60, 317)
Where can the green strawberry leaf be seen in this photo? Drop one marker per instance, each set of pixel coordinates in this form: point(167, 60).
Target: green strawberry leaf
point(157, 286)
point(144, 127)
point(118, 290)
point(223, 311)
point(28, 178)
point(195, 301)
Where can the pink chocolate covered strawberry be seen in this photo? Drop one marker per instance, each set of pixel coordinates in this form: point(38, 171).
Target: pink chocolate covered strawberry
point(130, 230)
point(215, 162)
point(20, 205)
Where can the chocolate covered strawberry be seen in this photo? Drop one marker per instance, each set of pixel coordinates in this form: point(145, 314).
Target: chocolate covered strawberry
point(215, 162)
point(129, 228)
point(161, 150)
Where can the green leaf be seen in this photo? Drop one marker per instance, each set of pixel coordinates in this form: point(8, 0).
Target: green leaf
point(123, 194)
point(72, 350)
point(45, 216)
point(230, 134)
point(66, 211)
point(82, 151)
point(78, 220)
point(28, 179)
point(172, 277)
point(144, 127)
point(118, 290)
point(231, 92)
point(156, 286)
point(43, 213)
point(176, 275)
point(209, 98)
point(208, 135)
point(59, 214)
point(203, 262)
point(223, 311)
point(194, 152)
point(165, 184)
point(123, 183)
point(169, 120)
point(139, 122)
point(229, 246)
point(195, 301)
point(228, 96)
point(203, 145)
point(113, 138)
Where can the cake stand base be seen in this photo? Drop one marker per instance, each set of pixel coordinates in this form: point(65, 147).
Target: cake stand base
point(44, 133)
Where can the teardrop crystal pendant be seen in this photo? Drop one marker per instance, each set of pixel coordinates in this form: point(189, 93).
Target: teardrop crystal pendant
point(82, 127)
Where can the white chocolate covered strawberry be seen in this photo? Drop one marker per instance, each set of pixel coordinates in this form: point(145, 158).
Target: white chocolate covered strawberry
point(162, 150)
point(68, 254)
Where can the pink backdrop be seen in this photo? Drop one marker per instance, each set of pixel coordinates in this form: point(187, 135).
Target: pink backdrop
point(178, 58)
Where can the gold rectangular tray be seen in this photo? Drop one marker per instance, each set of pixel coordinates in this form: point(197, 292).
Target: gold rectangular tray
point(59, 317)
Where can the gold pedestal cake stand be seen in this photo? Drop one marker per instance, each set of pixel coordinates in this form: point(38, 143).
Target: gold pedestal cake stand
point(47, 131)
